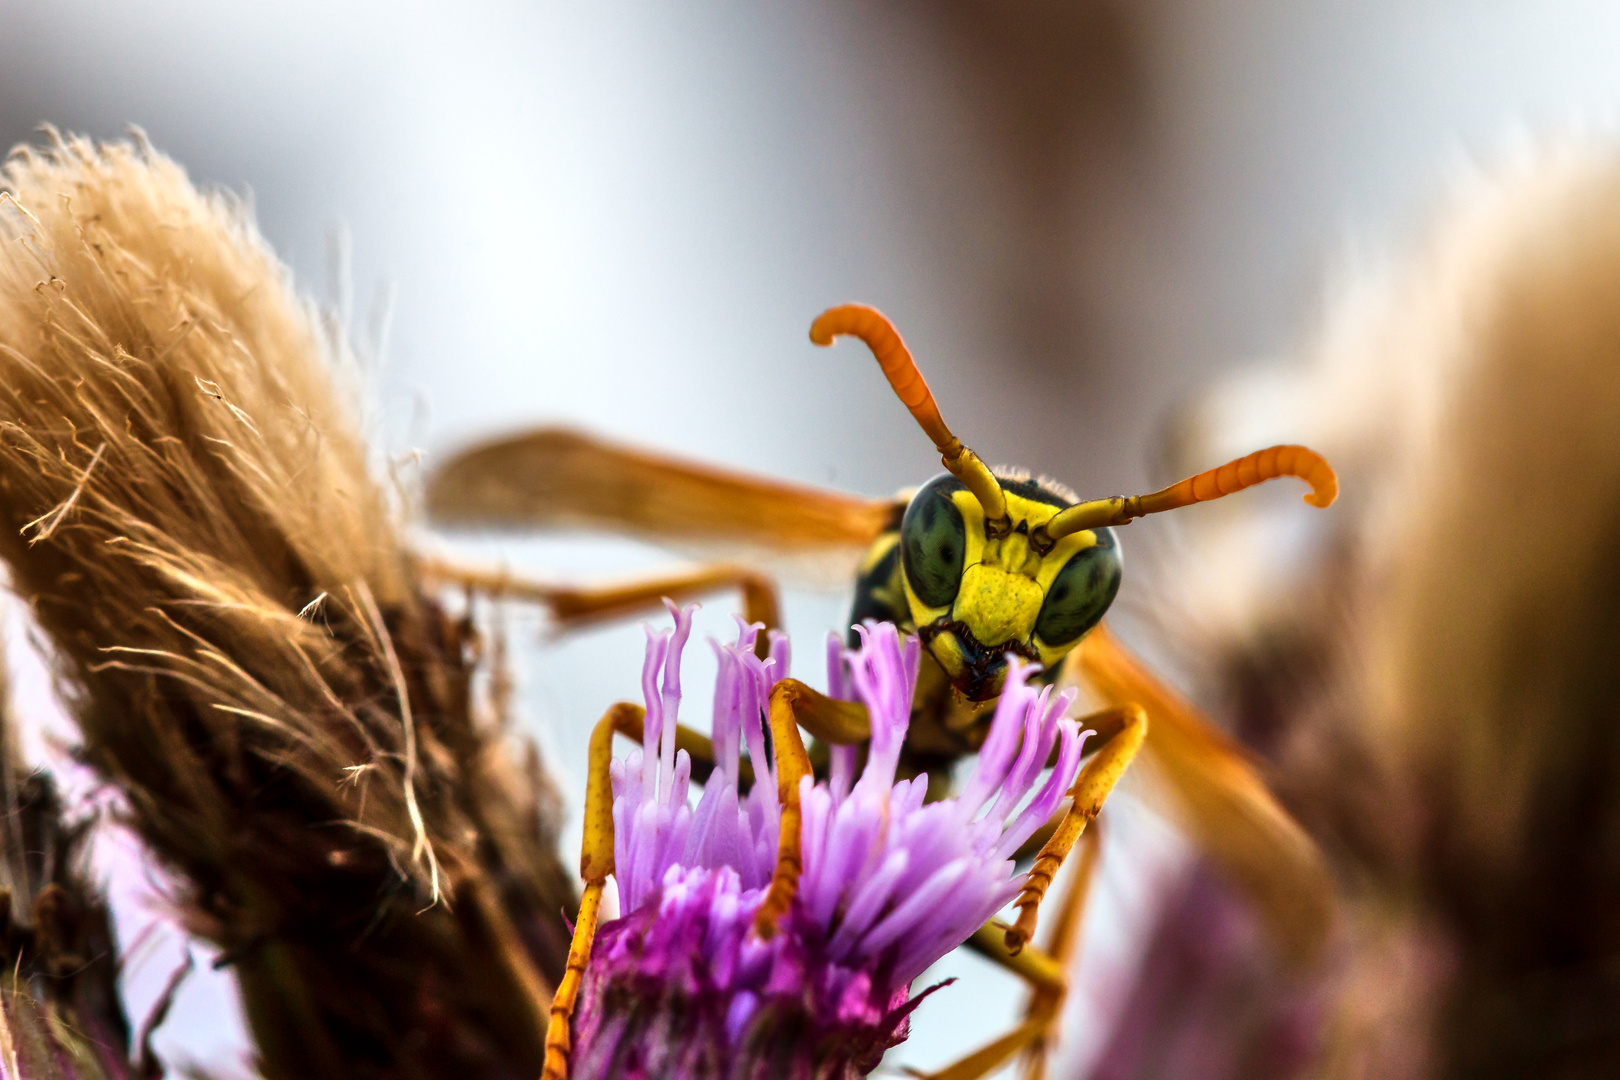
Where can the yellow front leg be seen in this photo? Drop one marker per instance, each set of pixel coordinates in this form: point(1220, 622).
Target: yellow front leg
point(1062, 947)
point(1047, 985)
point(1045, 971)
point(833, 721)
point(596, 865)
point(1090, 790)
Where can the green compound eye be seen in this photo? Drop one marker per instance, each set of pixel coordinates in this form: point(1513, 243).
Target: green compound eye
point(933, 542)
point(1080, 593)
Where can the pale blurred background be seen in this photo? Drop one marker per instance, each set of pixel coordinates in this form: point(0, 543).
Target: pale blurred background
point(624, 216)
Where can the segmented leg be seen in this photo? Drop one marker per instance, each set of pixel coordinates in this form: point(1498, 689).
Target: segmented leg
point(1047, 985)
point(990, 1057)
point(1037, 840)
point(1063, 946)
point(574, 607)
point(794, 704)
point(1045, 971)
point(1090, 789)
point(596, 864)
point(1104, 725)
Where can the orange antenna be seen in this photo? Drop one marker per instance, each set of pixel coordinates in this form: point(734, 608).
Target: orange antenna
point(1234, 476)
point(873, 327)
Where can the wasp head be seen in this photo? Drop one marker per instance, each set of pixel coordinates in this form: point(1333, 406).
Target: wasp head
point(996, 563)
point(980, 589)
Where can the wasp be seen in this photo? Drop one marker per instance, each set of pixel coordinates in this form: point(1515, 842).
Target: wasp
point(979, 564)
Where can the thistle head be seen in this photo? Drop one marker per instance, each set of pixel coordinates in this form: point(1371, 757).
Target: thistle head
point(682, 986)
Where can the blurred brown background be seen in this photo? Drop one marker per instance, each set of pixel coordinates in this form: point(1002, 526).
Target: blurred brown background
point(623, 216)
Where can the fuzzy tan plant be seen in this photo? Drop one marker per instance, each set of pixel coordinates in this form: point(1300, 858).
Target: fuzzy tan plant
point(1437, 692)
point(1481, 661)
point(185, 501)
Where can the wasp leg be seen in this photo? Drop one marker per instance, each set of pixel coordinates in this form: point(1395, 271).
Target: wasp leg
point(1104, 726)
point(1228, 808)
point(990, 1057)
point(1045, 976)
point(1090, 789)
point(575, 607)
point(830, 720)
point(1062, 947)
point(1037, 840)
point(841, 722)
point(595, 864)
point(1043, 970)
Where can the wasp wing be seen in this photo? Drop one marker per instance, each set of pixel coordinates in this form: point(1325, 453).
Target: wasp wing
point(1228, 808)
point(562, 479)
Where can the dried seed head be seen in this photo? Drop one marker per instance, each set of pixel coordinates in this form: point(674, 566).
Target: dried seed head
point(180, 479)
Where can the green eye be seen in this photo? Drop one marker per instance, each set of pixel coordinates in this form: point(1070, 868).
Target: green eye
point(933, 542)
point(1080, 593)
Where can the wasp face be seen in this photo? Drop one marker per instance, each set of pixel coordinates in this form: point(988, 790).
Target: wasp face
point(979, 591)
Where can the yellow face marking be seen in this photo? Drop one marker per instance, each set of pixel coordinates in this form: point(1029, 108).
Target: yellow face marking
point(998, 605)
point(1004, 583)
point(948, 651)
point(973, 525)
point(1050, 655)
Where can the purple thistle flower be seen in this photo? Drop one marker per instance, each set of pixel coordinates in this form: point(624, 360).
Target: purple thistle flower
point(681, 986)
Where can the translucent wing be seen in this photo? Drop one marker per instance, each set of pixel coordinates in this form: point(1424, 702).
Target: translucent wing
point(1228, 808)
point(556, 478)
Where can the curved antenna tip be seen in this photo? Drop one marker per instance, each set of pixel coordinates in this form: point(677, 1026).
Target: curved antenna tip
point(1323, 480)
point(1245, 472)
point(873, 327)
point(849, 319)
